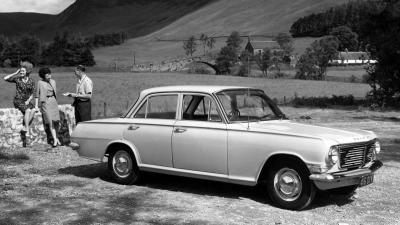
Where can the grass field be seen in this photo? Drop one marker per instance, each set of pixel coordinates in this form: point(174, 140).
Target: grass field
point(149, 50)
point(119, 90)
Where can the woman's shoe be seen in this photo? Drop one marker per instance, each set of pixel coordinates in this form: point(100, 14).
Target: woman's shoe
point(56, 143)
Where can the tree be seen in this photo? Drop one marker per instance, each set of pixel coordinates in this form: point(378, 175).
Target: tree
point(350, 14)
point(313, 63)
point(3, 45)
point(263, 60)
point(285, 41)
point(234, 41)
point(190, 46)
point(347, 38)
point(306, 67)
point(12, 53)
point(204, 39)
point(382, 33)
point(246, 59)
point(67, 51)
point(277, 57)
point(211, 42)
point(226, 59)
point(30, 49)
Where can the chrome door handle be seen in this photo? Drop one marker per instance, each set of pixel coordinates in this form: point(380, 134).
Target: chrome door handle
point(179, 130)
point(133, 127)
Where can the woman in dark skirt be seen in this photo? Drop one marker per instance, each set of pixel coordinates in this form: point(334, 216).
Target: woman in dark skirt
point(24, 94)
point(46, 95)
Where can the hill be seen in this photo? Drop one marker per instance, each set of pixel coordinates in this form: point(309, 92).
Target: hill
point(148, 21)
point(251, 17)
point(218, 19)
point(12, 24)
point(87, 17)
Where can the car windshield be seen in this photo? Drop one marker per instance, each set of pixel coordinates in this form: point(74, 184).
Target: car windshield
point(249, 104)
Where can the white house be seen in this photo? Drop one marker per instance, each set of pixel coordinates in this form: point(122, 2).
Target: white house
point(352, 58)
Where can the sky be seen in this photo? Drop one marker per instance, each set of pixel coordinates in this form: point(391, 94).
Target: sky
point(39, 6)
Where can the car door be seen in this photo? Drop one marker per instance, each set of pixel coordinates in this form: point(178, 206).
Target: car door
point(150, 129)
point(199, 139)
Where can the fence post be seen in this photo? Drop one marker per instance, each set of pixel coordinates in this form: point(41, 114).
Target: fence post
point(105, 109)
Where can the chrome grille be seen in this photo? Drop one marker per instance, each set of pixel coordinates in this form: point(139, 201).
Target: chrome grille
point(356, 155)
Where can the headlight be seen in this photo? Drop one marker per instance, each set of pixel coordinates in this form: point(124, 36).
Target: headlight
point(377, 147)
point(333, 155)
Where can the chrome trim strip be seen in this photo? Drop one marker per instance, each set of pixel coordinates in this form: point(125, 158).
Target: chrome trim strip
point(198, 174)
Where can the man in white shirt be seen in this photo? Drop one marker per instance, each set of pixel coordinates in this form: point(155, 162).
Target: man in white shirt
point(82, 96)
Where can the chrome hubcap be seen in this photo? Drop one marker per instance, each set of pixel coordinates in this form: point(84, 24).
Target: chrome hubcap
point(122, 164)
point(287, 184)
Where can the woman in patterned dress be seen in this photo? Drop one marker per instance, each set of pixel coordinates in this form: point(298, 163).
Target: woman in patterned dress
point(25, 88)
point(46, 95)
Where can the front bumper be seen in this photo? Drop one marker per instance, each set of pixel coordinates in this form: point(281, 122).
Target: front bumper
point(325, 181)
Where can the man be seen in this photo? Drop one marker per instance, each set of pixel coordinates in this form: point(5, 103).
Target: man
point(82, 96)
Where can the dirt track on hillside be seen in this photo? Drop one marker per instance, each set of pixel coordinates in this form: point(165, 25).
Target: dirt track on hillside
point(55, 186)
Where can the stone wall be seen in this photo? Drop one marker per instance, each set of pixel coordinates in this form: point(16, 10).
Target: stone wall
point(11, 125)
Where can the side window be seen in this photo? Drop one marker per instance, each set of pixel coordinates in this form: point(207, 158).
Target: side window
point(199, 107)
point(141, 113)
point(158, 107)
point(213, 114)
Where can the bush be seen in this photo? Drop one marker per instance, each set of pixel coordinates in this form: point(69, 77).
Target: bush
point(365, 78)
point(195, 68)
point(353, 79)
point(323, 102)
point(243, 71)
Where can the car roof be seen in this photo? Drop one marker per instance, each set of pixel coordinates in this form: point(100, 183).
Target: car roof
point(190, 88)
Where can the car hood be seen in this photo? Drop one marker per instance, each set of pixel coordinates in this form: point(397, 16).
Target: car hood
point(340, 136)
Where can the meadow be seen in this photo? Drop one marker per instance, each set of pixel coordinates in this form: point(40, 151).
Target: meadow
point(115, 92)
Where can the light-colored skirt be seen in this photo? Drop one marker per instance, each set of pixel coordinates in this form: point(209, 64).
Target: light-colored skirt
point(49, 110)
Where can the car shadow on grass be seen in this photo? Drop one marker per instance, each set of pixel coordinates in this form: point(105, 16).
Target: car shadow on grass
point(91, 171)
point(325, 198)
point(200, 187)
point(173, 183)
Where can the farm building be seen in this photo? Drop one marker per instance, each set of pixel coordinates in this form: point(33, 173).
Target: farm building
point(352, 58)
point(257, 47)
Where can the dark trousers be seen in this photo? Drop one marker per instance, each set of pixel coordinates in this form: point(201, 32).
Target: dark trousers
point(83, 110)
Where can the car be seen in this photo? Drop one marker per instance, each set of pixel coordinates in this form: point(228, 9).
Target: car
point(229, 134)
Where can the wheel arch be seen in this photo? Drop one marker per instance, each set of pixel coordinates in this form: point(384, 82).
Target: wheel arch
point(118, 144)
point(272, 160)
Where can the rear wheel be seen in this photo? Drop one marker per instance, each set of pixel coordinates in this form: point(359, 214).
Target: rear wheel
point(288, 185)
point(123, 168)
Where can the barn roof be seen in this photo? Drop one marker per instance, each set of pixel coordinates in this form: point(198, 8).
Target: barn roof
point(263, 44)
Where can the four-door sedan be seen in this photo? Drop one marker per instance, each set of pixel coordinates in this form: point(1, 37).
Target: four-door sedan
point(229, 134)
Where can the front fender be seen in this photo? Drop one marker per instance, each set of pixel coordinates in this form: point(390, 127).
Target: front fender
point(276, 155)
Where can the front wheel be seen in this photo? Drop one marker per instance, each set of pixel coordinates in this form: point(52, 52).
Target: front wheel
point(288, 185)
point(123, 168)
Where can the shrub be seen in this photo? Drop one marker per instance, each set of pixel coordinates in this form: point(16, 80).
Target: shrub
point(323, 102)
point(196, 68)
point(243, 71)
point(353, 79)
point(365, 78)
